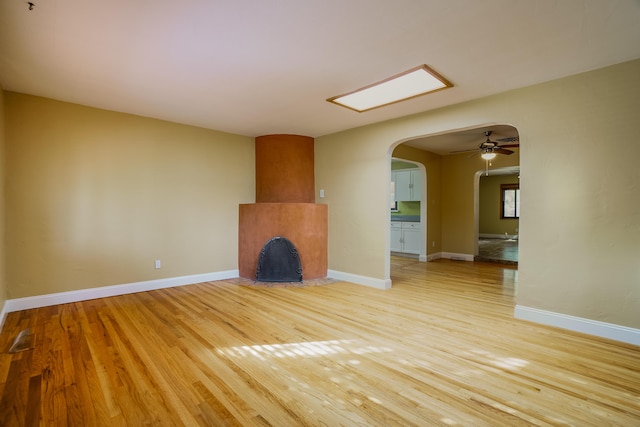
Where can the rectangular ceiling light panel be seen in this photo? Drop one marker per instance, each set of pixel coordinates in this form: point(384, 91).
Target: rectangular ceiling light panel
point(415, 82)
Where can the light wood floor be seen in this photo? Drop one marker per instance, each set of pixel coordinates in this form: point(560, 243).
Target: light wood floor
point(439, 348)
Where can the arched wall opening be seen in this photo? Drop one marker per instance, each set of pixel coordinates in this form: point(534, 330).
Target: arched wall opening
point(451, 184)
point(556, 120)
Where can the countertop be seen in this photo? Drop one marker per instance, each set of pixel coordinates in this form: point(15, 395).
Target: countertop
point(406, 218)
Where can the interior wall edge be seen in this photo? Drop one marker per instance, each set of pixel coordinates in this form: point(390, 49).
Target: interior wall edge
point(371, 282)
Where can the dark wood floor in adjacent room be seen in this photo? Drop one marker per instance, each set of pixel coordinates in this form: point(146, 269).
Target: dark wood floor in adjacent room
point(439, 348)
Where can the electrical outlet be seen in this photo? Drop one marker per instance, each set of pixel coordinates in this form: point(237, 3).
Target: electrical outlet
point(158, 263)
point(433, 244)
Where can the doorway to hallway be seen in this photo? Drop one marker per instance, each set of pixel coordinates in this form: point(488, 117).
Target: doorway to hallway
point(498, 215)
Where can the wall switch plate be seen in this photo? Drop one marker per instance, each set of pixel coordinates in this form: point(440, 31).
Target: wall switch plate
point(158, 263)
point(321, 193)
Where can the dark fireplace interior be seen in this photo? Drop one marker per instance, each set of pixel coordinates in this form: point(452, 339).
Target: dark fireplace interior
point(279, 262)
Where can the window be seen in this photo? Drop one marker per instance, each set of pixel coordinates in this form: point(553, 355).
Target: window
point(510, 201)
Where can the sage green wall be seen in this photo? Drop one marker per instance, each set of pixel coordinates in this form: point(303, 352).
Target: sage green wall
point(407, 208)
point(490, 206)
point(3, 283)
point(398, 165)
point(93, 197)
point(579, 229)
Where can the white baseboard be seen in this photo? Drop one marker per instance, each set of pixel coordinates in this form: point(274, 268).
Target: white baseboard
point(433, 257)
point(456, 257)
point(109, 291)
point(360, 280)
point(498, 236)
point(423, 258)
point(579, 324)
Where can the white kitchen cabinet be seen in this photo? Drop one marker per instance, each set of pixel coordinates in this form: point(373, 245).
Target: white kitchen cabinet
point(405, 237)
point(396, 236)
point(411, 237)
point(407, 184)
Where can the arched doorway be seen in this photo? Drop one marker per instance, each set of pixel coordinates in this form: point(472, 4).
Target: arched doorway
point(452, 161)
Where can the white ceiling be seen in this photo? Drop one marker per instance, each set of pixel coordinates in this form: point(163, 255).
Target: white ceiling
point(468, 139)
point(257, 67)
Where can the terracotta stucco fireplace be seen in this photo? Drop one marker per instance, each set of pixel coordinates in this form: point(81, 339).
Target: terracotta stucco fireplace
point(285, 196)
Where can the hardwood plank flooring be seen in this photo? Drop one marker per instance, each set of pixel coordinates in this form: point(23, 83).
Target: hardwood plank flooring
point(439, 348)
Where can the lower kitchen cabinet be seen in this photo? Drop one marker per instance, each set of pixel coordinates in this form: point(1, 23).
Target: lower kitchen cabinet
point(405, 237)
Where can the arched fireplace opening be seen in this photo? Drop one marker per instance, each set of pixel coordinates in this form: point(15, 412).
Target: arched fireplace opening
point(279, 262)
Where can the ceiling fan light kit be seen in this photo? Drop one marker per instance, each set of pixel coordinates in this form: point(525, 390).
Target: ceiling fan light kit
point(487, 154)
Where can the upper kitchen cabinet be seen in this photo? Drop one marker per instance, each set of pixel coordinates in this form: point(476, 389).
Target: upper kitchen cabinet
point(407, 184)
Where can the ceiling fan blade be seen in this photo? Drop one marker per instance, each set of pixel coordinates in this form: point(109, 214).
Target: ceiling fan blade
point(509, 145)
point(502, 151)
point(463, 151)
point(509, 139)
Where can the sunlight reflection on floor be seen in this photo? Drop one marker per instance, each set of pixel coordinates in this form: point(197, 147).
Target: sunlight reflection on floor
point(510, 363)
point(303, 349)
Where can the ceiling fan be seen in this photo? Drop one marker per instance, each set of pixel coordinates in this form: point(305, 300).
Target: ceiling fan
point(489, 149)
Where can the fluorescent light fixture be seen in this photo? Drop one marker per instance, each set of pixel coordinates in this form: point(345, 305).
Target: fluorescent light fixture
point(410, 84)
